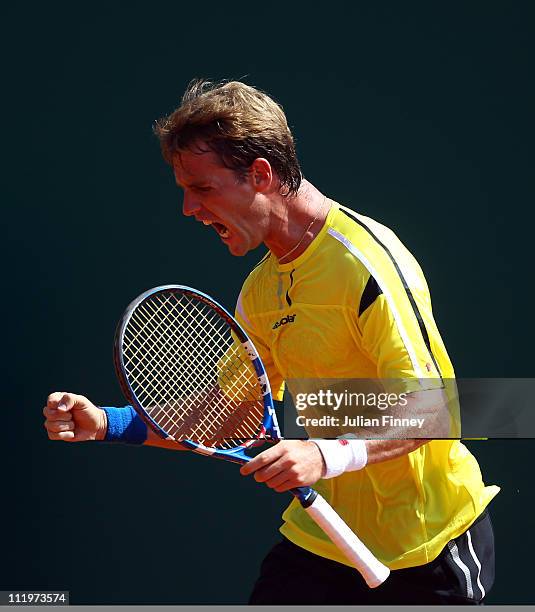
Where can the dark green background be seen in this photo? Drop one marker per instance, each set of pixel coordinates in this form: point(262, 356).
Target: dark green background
point(415, 114)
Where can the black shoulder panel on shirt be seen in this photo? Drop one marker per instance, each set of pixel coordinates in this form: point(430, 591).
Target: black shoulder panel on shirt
point(408, 291)
point(371, 292)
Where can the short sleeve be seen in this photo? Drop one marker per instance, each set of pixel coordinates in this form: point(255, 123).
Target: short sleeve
point(395, 332)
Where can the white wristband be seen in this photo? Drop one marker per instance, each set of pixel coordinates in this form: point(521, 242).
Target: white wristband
point(342, 455)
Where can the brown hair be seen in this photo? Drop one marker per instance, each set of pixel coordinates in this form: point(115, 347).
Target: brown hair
point(236, 121)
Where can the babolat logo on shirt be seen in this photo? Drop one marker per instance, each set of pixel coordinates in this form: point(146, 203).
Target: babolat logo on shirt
point(284, 320)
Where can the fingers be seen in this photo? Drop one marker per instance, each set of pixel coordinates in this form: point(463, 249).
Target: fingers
point(281, 481)
point(59, 405)
point(280, 475)
point(58, 413)
point(262, 460)
point(52, 414)
point(61, 401)
point(58, 426)
point(273, 468)
point(66, 436)
point(270, 472)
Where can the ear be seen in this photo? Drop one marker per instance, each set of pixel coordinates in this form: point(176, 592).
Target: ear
point(261, 175)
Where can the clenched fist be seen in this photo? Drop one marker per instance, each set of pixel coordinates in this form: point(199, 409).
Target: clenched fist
point(73, 418)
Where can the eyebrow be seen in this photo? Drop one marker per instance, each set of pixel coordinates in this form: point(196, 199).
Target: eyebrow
point(197, 184)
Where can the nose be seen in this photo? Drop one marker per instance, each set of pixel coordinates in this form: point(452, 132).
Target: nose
point(190, 205)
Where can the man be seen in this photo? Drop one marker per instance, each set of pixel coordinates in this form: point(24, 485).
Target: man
point(355, 305)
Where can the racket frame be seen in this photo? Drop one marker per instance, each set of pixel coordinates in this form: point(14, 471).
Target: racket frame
point(371, 569)
point(269, 428)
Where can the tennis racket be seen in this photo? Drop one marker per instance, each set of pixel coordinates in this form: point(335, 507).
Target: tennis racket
point(193, 376)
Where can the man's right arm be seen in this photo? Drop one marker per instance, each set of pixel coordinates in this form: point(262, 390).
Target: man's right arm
point(74, 418)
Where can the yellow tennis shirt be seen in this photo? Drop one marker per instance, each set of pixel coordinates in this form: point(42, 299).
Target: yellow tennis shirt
point(356, 304)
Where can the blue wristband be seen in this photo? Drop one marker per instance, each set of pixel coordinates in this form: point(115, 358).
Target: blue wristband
point(124, 425)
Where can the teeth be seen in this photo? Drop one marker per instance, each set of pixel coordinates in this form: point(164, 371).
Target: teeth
point(207, 223)
point(224, 233)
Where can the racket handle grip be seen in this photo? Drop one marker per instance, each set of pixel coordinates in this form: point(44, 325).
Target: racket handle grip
point(371, 569)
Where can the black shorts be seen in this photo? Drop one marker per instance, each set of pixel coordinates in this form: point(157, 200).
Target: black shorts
point(463, 573)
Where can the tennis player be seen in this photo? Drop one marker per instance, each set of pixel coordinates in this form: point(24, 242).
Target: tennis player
point(337, 296)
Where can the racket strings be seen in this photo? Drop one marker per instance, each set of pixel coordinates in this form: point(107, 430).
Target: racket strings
point(166, 365)
point(186, 367)
point(190, 373)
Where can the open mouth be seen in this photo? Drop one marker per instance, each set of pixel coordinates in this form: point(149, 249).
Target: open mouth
point(219, 228)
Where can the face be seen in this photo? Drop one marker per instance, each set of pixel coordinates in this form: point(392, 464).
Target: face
point(215, 196)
